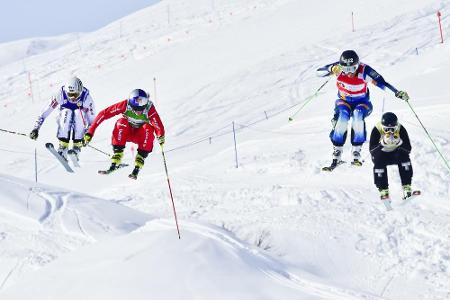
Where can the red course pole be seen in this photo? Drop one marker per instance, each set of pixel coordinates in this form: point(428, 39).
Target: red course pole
point(170, 191)
point(440, 26)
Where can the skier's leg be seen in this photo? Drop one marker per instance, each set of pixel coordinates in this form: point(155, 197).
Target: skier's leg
point(359, 132)
point(119, 138)
point(144, 139)
point(121, 132)
point(380, 177)
point(406, 172)
point(78, 132)
point(64, 122)
point(338, 134)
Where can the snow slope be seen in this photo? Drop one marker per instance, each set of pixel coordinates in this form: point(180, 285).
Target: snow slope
point(218, 62)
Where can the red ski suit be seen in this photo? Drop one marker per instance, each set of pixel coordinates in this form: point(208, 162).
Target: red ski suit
point(124, 132)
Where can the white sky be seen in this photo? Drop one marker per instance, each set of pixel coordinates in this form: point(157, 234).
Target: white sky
point(35, 18)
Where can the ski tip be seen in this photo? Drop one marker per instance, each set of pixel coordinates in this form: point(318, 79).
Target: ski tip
point(49, 145)
point(290, 119)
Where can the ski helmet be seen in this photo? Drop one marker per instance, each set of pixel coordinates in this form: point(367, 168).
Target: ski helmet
point(138, 99)
point(349, 61)
point(73, 88)
point(389, 122)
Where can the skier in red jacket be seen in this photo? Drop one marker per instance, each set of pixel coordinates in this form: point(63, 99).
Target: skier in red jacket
point(139, 124)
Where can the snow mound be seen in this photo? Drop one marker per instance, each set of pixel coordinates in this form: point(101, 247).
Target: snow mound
point(153, 261)
point(38, 223)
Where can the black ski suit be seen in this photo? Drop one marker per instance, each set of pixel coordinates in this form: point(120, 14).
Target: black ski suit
point(384, 155)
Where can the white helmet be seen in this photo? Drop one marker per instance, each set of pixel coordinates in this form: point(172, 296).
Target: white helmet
point(73, 88)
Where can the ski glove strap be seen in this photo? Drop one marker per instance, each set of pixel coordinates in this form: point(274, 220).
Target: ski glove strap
point(161, 140)
point(34, 134)
point(86, 139)
point(402, 95)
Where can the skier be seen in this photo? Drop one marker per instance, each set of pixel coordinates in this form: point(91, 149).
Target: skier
point(76, 113)
point(353, 102)
point(139, 123)
point(389, 145)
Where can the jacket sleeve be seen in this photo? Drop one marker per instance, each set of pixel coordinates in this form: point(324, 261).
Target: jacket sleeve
point(54, 102)
point(156, 122)
point(325, 71)
point(374, 139)
point(107, 113)
point(371, 75)
point(89, 110)
point(406, 145)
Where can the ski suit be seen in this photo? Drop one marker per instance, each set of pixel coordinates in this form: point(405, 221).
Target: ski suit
point(390, 149)
point(131, 127)
point(73, 117)
point(353, 102)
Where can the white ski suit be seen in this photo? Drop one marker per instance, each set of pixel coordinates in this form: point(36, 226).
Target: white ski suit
point(74, 117)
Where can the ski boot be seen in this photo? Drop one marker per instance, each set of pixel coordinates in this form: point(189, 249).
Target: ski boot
point(138, 163)
point(76, 149)
point(62, 149)
point(337, 152)
point(384, 196)
point(407, 191)
point(134, 173)
point(356, 153)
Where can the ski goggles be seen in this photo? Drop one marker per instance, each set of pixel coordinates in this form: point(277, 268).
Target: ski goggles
point(73, 95)
point(390, 129)
point(349, 69)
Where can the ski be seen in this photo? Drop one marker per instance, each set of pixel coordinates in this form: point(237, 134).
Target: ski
point(414, 194)
point(332, 166)
point(72, 154)
point(61, 159)
point(109, 171)
point(387, 203)
point(357, 163)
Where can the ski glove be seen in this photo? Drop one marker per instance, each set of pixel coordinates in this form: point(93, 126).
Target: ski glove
point(336, 69)
point(402, 95)
point(161, 140)
point(86, 139)
point(34, 134)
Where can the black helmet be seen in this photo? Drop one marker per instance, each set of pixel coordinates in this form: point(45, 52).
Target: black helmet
point(389, 119)
point(349, 61)
point(389, 122)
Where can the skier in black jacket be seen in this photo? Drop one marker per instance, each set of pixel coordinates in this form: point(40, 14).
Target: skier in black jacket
point(390, 145)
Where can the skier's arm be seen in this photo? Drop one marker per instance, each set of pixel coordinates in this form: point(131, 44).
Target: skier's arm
point(373, 76)
point(106, 114)
point(89, 110)
point(374, 140)
point(378, 80)
point(156, 122)
point(406, 145)
point(328, 70)
point(47, 110)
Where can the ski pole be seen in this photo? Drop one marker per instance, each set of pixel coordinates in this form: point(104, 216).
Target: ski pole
point(96, 149)
point(13, 132)
point(85, 126)
point(170, 191)
point(308, 99)
point(429, 136)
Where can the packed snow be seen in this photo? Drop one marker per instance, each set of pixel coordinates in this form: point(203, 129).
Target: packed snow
point(259, 221)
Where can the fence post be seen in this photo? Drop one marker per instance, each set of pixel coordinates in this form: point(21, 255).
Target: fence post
point(31, 87)
point(353, 23)
point(440, 26)
point(235, 146)
point(35, 166)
